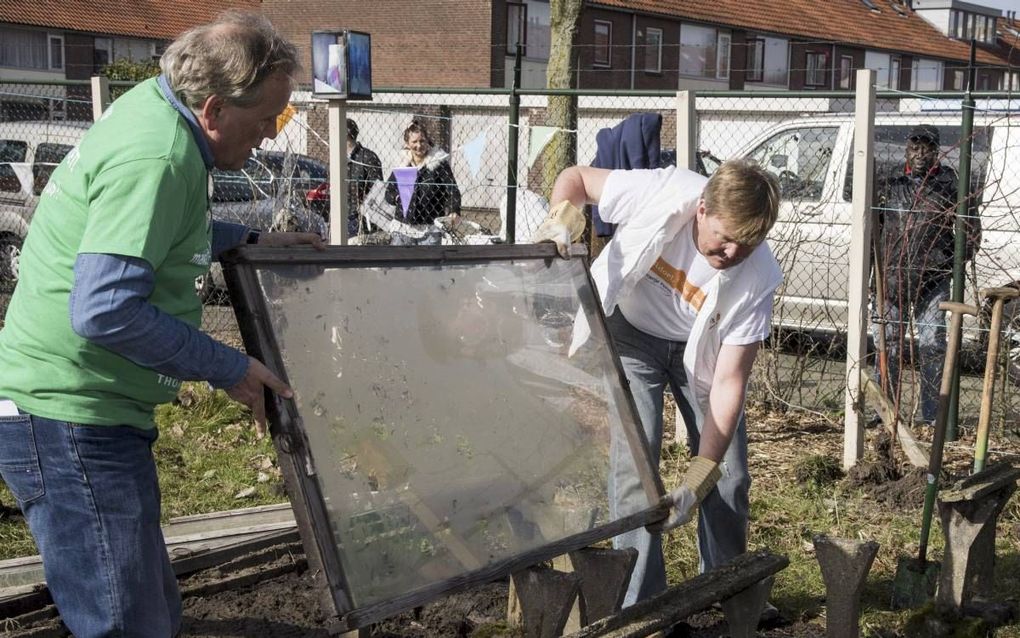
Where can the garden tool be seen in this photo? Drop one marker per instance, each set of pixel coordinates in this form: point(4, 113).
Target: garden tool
point(914, 582)
point(998, 297)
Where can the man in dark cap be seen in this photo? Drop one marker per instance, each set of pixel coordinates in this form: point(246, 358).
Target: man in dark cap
point(916, 208)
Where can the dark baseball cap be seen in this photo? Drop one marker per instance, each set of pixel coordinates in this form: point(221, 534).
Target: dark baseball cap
point(925, 133)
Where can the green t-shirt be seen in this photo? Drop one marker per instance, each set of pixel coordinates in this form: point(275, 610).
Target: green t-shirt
point(135, 186)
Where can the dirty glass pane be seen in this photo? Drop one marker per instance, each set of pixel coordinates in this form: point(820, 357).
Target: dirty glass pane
point(448, 426)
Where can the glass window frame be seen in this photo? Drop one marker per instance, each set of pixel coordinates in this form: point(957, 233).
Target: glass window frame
point(521, 9)
point(815, 75)
point(654, 53)
point(602, 54)
point(241, 271)
point(723, 55)
point(58, 41)
point(755, 73)
point(846, 76)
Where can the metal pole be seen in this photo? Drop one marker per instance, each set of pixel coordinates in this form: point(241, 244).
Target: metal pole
point(511, 160)
point(963, 209)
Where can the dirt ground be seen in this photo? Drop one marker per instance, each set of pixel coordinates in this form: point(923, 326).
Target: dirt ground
point(273, 596)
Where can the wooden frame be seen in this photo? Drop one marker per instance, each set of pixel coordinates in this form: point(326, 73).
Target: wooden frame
point(241, 268)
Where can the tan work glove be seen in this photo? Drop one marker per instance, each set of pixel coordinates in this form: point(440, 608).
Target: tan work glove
point(565, 224)
point(702, 475)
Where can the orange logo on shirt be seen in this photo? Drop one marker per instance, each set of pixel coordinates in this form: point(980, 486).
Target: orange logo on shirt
point(677, 279)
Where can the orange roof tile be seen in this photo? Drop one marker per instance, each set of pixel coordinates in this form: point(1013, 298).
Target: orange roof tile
point(157, 19)
point(845, 21)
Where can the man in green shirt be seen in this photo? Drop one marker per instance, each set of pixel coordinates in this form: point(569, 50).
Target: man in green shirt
point(104, 322)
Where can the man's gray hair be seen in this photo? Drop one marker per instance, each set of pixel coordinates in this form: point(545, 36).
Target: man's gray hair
point(229, 57)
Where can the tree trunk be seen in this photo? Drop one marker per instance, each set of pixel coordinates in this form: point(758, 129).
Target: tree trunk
point(565, 15)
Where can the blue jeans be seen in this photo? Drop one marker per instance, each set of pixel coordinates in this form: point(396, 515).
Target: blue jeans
point(929, 347)
point(651, 363)
point(91, 498)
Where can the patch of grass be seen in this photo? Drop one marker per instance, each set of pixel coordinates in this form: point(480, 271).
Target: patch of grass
point(206, 454)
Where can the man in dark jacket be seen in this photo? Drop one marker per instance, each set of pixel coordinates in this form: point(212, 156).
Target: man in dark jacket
point(363, 170)
point(916, 241)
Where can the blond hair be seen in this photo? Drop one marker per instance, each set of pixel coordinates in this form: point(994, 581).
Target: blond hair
point(746, 196)
point(229, 58)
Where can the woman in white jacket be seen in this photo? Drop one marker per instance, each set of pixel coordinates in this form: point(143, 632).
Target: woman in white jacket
point(686, 285)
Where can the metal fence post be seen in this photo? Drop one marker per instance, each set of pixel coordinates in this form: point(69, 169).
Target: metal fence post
point(963, 209)
point(860, 262)
point(686, 131)
point(100, 95)
point(511, 156)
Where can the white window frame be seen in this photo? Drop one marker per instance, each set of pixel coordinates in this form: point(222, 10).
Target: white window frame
point(895, 65)
point(849, 83)
point(723, 55)
point(522, 27)
point(609, 45)
point(51, 37)
point(756, 74)
point(818, 72)
point(658, 50)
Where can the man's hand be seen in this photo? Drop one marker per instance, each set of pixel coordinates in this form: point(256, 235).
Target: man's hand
point(250, 391)
point(292, 239)
point(702, 475)
point(565, 224)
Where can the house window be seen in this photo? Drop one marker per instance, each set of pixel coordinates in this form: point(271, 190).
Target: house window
point(894, 72)
point(102, 53)
point(815, 75)
point(56, 52)
point(603, 42)
point(959, 79)
point(24, 49)
point(927, 75)
point(846, 72)
point(755, 60)
point(964, 26)
point(516, 28)
point(653, 50)
point(722, 57)
point(697, 50)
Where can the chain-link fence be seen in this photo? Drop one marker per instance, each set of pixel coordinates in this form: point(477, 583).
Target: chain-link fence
point(432, 167)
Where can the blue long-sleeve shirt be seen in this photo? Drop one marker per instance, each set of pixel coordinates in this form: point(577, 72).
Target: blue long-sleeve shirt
point(109, 306)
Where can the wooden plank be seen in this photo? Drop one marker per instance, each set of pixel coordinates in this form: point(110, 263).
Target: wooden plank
point(982, 484)
point(917, 456)
point(668, 608)
point(28, 570)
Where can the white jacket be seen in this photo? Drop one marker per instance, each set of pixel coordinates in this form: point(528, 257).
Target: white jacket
point(648, 219)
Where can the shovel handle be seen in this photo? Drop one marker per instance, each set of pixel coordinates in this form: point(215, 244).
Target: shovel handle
point(957, 310)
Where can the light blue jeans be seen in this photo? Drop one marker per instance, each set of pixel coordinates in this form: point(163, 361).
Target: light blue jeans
point(91, 499)
point(929, 344)
point(651, 363)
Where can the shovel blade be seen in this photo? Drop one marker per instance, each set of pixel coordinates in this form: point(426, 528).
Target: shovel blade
point(914, 583)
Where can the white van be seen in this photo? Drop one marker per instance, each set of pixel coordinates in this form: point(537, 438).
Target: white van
point(812, 158)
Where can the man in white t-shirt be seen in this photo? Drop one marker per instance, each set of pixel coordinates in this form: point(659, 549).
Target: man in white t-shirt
point(686, 284)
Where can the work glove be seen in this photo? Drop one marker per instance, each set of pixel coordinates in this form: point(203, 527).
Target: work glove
point(702, 475)
point(565, 224)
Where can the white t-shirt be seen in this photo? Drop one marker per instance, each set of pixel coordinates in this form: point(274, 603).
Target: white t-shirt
point(667, 299)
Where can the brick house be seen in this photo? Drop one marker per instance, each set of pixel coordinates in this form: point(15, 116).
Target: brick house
point(667, 44)
point(54, 40)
